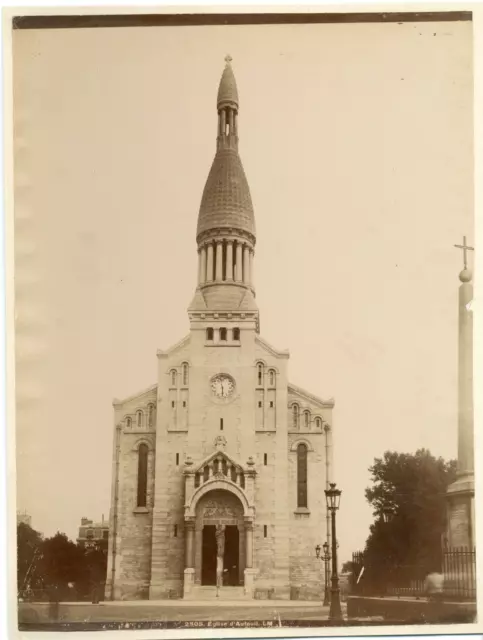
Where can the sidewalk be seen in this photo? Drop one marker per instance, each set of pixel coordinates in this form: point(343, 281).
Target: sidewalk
point(194, 603)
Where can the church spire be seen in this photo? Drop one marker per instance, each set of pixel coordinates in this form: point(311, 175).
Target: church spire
point(226, 221)
point(227, 105)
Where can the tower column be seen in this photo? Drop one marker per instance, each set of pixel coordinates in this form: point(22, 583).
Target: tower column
point(203, 265)
point(219, 261)
point(246, 264)
point(251, 266)
point(465, 378)
point(461, 493)
point(209, 266)
point(239, 260)
point(223, 123)
point(229, 260)
point(249, 545)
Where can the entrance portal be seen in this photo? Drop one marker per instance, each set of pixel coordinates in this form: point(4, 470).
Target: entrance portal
point(208, 560)
point(231, 565)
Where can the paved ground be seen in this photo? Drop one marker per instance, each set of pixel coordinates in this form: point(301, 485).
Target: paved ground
point(176, 611)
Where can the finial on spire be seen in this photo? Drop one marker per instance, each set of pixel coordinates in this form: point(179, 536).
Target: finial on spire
point(465, 275)
point(228, 58)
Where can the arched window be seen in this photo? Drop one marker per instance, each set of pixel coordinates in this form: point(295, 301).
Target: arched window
point(302, 475)
point(173, 378)
point(260, 374)
point(318, 423)
point(306, 419)
point(223, 334)
point(139, 418)
point(236, 334)
point(142, 475)
point(209, 333)
point(185, 375)
point(151, 416)
point(295, 416)
point(271, 378)
point(128, 423)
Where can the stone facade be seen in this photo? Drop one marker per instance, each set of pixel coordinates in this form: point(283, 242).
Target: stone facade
point(222, 438)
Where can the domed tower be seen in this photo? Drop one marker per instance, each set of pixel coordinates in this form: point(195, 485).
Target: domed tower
point(226, 224)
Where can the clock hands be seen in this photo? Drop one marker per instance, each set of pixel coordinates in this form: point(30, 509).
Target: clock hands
point(222, 386)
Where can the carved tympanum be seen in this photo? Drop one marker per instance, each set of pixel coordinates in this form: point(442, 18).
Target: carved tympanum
point(214, 509)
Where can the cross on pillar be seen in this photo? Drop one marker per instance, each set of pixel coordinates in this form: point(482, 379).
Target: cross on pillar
point(465, 248)
point(228, 59)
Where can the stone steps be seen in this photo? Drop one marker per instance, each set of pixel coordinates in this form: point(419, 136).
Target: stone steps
point(209, 593)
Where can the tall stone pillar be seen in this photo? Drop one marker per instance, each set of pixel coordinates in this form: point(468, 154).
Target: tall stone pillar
point(209, 266)
point(461, 532)
point(249, 544)
point(189, 572)
point(250, 572)
point(239, 260)
point(219, 262)
point(246, 264)
point(461, 494)
point(229, 260)
point(203, 265)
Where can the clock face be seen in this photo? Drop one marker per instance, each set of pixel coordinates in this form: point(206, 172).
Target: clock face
point(222, 386)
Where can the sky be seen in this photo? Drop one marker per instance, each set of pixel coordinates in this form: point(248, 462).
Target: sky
point(357, 142)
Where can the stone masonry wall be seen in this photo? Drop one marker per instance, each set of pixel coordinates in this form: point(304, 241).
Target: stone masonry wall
point(134, 525)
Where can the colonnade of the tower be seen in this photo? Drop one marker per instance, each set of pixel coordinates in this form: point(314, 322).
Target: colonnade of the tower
point(225, 261)
point(227, 122)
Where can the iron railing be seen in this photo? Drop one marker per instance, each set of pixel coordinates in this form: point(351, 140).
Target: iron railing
point(458, 567)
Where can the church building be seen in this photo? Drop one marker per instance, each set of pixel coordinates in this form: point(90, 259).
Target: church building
point(219, 468)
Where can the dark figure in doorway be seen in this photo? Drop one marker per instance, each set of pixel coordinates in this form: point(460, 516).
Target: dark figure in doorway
point(220, 551)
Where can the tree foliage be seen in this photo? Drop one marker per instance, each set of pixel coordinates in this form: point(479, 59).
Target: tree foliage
point(412, 488)
point(57, 564)
point(29, 543)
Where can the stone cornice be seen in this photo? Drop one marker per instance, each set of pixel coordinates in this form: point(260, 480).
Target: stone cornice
point(196, 467)
point(298, 391)
point(117, 403)
point(225, 233)
point(164, 354)
point(234, 315)
point(272, 350)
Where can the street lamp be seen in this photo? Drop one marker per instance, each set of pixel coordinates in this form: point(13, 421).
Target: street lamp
point(332, 497)
point(326, 564)
point(325, 557)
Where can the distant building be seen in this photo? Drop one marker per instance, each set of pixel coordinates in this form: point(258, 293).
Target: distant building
point(24, 518)
point(92, 533)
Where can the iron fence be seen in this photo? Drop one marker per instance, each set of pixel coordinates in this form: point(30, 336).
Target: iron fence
point(458, 567)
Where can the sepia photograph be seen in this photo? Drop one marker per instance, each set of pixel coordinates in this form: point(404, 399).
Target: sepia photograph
point(243, 287)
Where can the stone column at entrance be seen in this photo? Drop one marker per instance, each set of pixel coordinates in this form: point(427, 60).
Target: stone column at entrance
point(189, 572)
point(249, 570)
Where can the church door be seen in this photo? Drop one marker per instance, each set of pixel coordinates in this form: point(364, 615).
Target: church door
point(208, 567)
point(231, 559)
point(231, 562)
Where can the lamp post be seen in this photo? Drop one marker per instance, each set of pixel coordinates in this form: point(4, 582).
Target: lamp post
point(325, 557)
point(332, 496)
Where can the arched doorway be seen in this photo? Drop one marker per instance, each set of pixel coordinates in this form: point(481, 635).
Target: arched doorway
point(223, 509)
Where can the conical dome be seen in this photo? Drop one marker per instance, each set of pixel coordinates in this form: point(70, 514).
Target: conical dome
point(227, 91)
point(226, 200)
